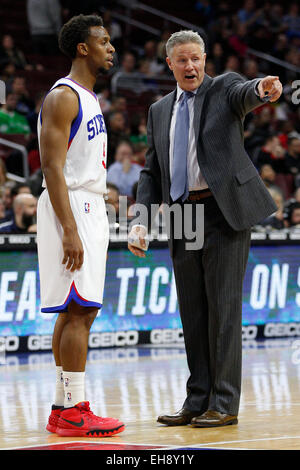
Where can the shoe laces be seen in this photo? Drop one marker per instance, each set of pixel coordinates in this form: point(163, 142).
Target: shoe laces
point(84, 408)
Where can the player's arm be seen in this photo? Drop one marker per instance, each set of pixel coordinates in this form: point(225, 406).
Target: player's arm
point(60, 108)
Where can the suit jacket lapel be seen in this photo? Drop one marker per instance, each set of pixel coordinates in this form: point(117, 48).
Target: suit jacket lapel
point(165, 130)
point(198, 103)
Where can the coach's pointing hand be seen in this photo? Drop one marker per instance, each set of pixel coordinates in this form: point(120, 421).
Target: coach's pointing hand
point(73, 250)
point(270, 86)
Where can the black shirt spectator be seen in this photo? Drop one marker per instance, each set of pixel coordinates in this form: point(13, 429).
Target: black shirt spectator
point(272, 153)
point(292, 157)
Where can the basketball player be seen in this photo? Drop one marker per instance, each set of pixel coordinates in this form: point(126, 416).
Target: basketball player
point(72, 226)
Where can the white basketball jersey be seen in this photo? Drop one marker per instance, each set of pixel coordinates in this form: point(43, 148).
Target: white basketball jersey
point(85, 165)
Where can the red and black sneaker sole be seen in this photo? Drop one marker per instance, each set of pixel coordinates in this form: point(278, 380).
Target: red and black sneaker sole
point(93, 433)
point(51, 428)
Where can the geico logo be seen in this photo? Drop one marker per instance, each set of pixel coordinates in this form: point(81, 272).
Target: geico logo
point(115, 354)
point(9, 343)
point(249, 332)
point(166, 336)
point(116, 338)
point(39, 342)
point(282, 329)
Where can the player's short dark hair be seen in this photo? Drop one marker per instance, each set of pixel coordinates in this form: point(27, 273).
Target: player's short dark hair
point(76, 30)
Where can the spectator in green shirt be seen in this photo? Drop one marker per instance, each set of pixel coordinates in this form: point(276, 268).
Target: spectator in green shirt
point(12, 122)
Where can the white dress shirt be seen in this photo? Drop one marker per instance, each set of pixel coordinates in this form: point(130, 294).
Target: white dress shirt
point(195, 177)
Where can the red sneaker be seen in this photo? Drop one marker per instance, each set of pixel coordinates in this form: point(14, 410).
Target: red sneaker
point(80, 421)
point(53, 418)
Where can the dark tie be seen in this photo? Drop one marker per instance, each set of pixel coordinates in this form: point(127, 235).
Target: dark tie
point(179, 184)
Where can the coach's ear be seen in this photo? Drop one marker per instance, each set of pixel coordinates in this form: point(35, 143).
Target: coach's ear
point(168, 60)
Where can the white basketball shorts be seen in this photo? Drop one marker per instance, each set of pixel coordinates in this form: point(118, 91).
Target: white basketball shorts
point(58, 286)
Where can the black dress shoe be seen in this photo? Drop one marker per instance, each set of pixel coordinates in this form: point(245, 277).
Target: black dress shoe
point(211, 419)
point(179, 418)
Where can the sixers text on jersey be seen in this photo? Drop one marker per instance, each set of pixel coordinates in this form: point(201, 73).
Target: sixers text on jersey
point(95, 126)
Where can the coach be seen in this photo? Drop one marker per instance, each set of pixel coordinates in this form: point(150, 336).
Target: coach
point(196, 156)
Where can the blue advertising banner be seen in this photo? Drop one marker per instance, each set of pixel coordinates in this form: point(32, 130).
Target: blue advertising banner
point(140, 293)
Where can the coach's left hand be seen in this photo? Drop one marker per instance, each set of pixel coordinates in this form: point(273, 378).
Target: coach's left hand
point(270, 86)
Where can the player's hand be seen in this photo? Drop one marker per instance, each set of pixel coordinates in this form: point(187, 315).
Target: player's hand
point(270, 86)
point(73, 250)
point(138, 233)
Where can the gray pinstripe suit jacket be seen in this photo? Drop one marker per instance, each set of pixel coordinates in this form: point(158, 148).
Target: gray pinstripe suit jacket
point(220, 106)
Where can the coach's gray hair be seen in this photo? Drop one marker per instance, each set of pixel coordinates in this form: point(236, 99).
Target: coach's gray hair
point(183, 37)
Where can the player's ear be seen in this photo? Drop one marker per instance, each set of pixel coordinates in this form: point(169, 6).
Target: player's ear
point(82, 48)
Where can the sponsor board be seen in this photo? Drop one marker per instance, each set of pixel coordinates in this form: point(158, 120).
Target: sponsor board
point(130, 338)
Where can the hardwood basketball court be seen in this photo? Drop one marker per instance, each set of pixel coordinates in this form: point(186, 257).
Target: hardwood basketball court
point(137, 384)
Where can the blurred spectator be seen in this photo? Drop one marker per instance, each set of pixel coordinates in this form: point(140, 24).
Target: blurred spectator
point(210, 68)
point(32, 116)
point(33, 156)
point(156, 67)
point(161, 46)
point(292, 158)
point(272, 153)
point(232, 64)
point(293, 215)
point(112, 199)
point(7, 72)
point(268, 176)
point(25, 104)
point(104, 99)
point(77, 7)
point(3, 217)
point(259, 128)
point(20, 188)
point(10, 53)
point(292, 20)
point(250, 70)
point(139, 153)
point(127, 76)
point(12, 122)
point(147, 78)
point(276, 220)
point(118, 105)
point(217, 57)
point(7, 199)
point(114, 30)
point(248, 14)
point(275, 24)
point(238, 40)
point(35, 181)
point(123, 173)
point(290, 202)
point(138, 129)
point(24, 207)
point(3, 177)
point(116, 132)
point(44, 19)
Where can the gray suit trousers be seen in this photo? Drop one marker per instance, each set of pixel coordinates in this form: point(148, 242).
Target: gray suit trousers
point(209, 286)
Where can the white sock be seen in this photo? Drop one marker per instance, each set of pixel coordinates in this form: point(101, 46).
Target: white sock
point(73, 388)
point(59, 387)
